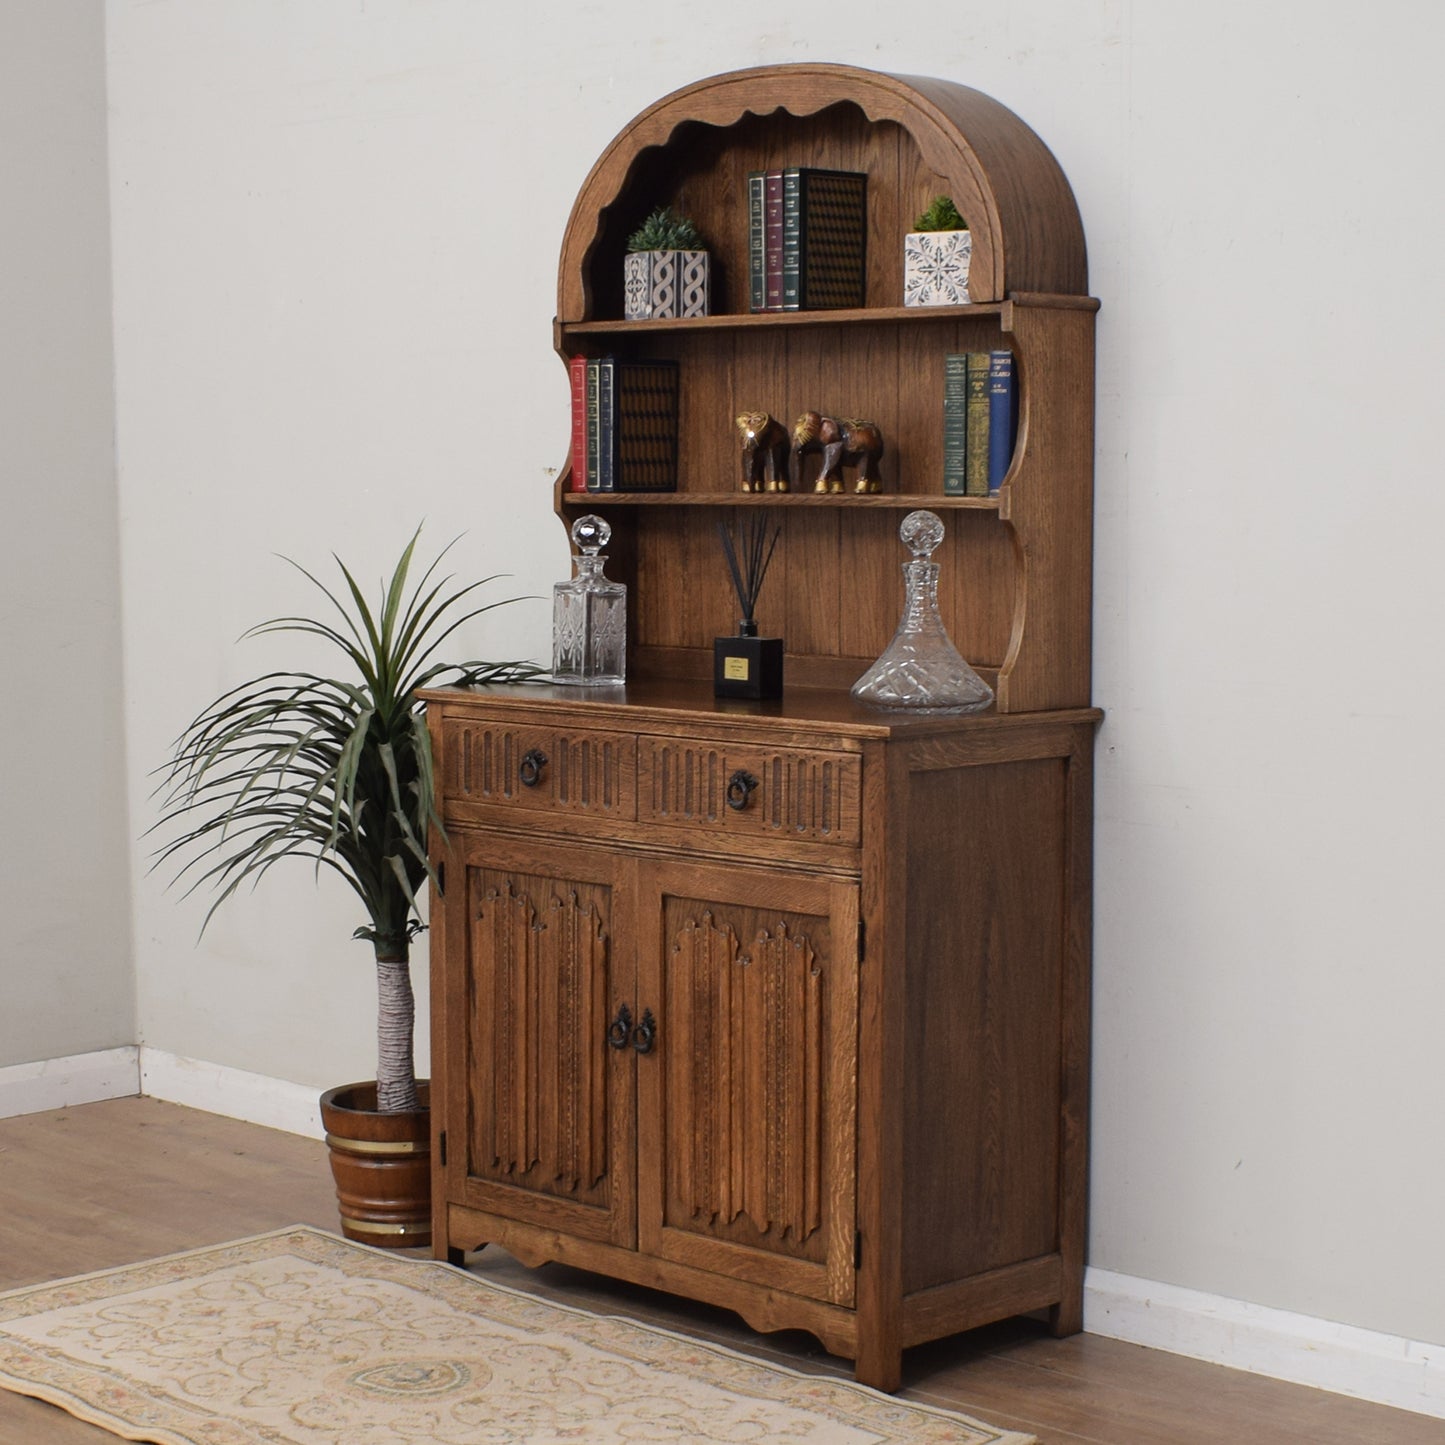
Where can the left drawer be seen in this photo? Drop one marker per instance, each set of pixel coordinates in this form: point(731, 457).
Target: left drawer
point(550, 769)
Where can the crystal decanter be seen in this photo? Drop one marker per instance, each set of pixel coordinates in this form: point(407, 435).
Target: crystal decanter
point(589, 614)
point(921, 669)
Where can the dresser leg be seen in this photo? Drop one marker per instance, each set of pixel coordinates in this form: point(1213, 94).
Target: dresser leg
point(1067, 1317)
point(879, 1365)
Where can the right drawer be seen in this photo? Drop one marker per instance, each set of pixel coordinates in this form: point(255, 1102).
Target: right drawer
point(750, 790)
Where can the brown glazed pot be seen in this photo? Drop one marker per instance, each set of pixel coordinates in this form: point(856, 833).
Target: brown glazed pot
point(382, 1166)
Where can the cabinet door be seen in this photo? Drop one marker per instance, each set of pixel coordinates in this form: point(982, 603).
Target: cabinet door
point(747, 1100)
point(541, 1112)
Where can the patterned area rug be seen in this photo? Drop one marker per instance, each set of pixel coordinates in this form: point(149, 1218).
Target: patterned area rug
point(302, 1338)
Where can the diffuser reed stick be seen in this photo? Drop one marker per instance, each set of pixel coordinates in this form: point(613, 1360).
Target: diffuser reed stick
point(749, 550)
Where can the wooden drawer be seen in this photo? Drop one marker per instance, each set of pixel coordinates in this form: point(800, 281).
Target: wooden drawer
point(783, 792)
point(526, 765)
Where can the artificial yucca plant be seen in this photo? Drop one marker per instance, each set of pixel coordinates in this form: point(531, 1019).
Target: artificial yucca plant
point(337, 770)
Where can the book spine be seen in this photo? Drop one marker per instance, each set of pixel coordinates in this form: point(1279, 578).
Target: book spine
point(1002, 416)
point(606, 425)
point(577, 376)
point(975, 466)
point(955, 422)
point(792, 239)
point(594, 437)
point(757, 247)
point(773, 241)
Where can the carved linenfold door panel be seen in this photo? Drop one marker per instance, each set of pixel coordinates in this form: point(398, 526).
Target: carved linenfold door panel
point(752, 1087)
point(549, 1108)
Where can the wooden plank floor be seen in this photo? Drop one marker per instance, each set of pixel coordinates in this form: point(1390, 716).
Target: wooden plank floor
point(117, 1182)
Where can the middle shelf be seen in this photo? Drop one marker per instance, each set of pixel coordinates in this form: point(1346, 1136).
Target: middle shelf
point(894, 501)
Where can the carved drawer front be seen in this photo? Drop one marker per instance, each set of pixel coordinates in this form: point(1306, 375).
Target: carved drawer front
point(753, 791)
point(552, 769)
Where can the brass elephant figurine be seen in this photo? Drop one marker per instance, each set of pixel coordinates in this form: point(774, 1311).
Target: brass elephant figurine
point(842, 443)
point(765, 450)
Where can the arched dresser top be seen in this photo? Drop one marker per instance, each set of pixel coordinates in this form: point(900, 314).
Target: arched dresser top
point(1027, 235)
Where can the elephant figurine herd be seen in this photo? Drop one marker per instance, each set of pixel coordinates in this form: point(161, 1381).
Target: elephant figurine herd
point(772, 456)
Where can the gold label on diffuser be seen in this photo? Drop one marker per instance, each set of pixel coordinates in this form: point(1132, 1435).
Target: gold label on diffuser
point(735, 669)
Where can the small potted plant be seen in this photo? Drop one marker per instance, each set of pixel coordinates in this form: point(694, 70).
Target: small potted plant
point(936, 255)
point(338, 770)
point(665, 271)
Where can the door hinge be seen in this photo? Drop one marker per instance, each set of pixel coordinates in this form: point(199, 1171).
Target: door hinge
point(442, 1147)
point(862, 939)
point(857, 1249)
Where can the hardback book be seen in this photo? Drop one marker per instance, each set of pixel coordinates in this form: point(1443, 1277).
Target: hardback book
point(594, 431)
point(1002, 416)
point(606, 455)
point(577, 376)
point(643, 426)
point(975, 464)
point(757, 283)
point(632, 430)
point(955, 422)
point(773, 241)
point(825, 223)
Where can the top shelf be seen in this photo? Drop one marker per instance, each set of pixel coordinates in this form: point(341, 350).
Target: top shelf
point(870, 315)
point(865, 316)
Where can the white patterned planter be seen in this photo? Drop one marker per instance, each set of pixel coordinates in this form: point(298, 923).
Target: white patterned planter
point(658, 284)
point(935, 268)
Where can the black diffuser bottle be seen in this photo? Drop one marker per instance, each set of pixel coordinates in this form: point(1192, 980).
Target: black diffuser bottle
point(748, 665)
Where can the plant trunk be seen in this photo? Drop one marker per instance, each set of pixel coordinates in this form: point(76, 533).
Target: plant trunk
point(395, 1027)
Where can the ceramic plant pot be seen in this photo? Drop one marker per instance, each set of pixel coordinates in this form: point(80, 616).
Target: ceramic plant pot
point(935, 268)
point(660, 284)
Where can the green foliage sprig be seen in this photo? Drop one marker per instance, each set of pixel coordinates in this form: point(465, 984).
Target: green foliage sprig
point(941, 215)
point(665, 230)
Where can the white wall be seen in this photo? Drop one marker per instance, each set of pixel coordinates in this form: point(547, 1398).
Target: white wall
point(65, 962)
point(335, 230)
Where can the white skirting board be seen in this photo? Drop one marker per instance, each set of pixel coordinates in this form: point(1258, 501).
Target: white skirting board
point(78, 1079)
point(276, 1103)
point(1386, 1369)
point(1349, 1361)
point(123, 1072)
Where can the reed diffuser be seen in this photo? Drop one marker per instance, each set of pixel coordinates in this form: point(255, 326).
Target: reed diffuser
point(748, 665)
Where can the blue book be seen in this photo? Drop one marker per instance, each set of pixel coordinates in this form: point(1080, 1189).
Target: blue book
point(1002, 416)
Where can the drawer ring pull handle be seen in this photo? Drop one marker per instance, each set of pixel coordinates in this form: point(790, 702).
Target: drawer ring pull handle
point(644, 1036)
point(530, 772)
point(740, 789)
point(619, 1031)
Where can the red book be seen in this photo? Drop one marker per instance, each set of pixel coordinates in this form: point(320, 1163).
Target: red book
point(577, 373)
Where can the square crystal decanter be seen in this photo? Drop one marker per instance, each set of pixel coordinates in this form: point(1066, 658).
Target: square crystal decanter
point(589, 614)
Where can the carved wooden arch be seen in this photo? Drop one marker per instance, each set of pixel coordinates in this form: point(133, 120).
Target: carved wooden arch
point(1027, 234)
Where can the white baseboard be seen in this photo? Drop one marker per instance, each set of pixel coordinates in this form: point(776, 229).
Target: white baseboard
point(216, 1089)
point(78, 1079)
point(1344, 1359)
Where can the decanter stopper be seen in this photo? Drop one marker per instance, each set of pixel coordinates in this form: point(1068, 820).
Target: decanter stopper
point(920, 669)
point(589, 614)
